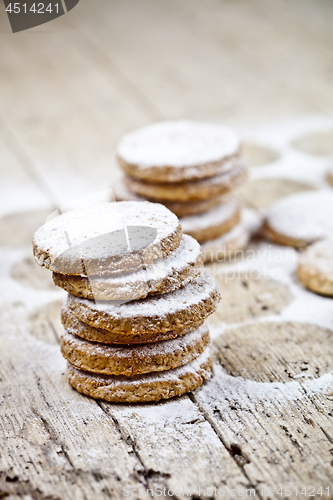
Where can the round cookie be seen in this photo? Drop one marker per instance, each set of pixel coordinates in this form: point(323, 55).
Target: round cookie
point(202, 189)
point(315, 267)
point(170, 311)
point(178, 151)
point(330, 176)
point(134, 360)
point(77, 327)
point(212, 224)
point(93, 241)
point(179, 208)
point(143, 388)
point(300, 219)
point(165, 275)
point(224, 247)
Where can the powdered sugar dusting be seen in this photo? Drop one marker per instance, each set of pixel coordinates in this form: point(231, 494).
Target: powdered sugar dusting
point(82, 225)
point(169, 375)
point(247, 393)
point(144, 280)
point(214, 217)
point(318, 258)
point(235, 239)
point(195, 292)
point(306, 216)
point(178, 144)
point(144, 351)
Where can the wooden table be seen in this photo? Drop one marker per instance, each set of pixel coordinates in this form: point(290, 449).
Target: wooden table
point(69, 89)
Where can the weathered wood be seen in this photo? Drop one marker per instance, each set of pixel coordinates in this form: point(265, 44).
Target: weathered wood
point(55, 442)
point(84, 447)
point(271, 400)
point(56, 79)
point(265, 419)
point(247, 296)
point(178, 446)
point(224, 53)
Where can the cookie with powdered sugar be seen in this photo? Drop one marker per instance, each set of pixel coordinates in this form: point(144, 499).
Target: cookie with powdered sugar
point(167, 312)
point(300, 219)
point(80, 329)
point(143, 388)
point(186, 191)
point(107, 238)
point(234, 241)
point(224, 247)
point(315, 267)
point(165, 275)
point(134, 360)
point(180, 208)
point(178, 151)
point(213, 223)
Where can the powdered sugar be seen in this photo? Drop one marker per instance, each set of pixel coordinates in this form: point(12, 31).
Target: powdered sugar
point(198, 291)
point(307, 216)
point(214, 217)
point(247, 393)
point(106, 237)
point(167, 272)
point(82, 225)
point(144, 351)
point(169, 375)
point(224, 246)
point(178, 144)
point(318, 259)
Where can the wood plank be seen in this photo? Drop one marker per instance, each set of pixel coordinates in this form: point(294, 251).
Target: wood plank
point(55, 442)
point(178, 447)
point(54, 437)
point(108, 84)
point(248, 69)
point(265, 419)
point(64, 101)
point(271, 401)
point(18, 190)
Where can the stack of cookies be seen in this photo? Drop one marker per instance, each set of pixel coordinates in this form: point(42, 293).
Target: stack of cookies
point(191, 168)
point(137, 300)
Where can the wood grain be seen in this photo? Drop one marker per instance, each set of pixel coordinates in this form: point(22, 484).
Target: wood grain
point(68, 92)
point(280, 427)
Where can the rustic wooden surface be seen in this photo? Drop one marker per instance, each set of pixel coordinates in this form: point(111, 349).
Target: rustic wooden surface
point(69, 90)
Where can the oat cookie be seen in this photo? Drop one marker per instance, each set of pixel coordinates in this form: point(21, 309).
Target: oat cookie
point(300, 219)
point(93, 241)
point(192, 190)
point(165, 275)
point(224, 247)
point(143, 388)
point(170, 311)
point(77, 327)
point(212, 224)
point(179, 208)
point(134, 360)
point(315, 267)
point(178, 151)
